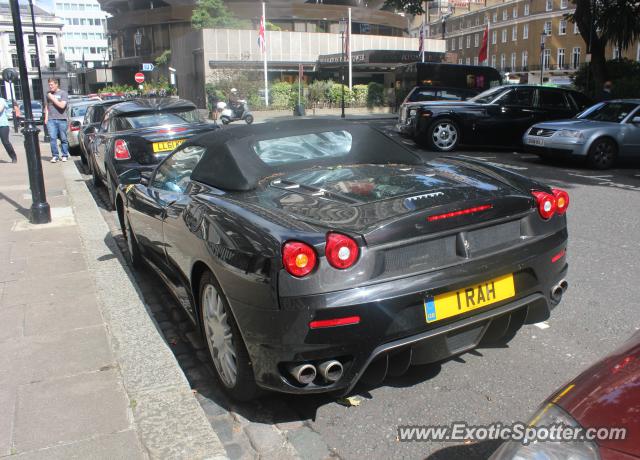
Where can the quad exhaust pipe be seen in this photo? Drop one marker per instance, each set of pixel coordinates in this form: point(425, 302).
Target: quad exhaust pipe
point(303, 373)
point(331, 370)
point(558, 290)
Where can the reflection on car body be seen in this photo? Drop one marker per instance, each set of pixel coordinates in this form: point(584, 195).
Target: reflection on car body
point(311, 272)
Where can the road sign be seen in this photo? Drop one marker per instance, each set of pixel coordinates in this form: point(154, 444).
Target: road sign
point(139, 77)
point(147, 67)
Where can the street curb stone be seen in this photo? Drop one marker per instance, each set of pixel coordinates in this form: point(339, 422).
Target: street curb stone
point(169, 421)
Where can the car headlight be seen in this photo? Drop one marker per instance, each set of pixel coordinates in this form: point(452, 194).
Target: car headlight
point(571, 133)
point(549, 415)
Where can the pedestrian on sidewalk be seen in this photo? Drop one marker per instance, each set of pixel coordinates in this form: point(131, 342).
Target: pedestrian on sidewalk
point(16, 116)
point(55, 117)
point(4, 130)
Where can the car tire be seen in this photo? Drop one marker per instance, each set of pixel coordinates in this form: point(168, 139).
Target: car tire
point(602, 153)
point(111, 191)
point(248, 119)
point(229, 357)
point(443, 135)
point(134, 256)
point(95, 178)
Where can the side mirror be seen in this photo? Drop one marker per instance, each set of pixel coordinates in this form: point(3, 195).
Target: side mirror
point(76, 124)
point(89, 129)
point(130, 176)
point(635, 120)
point(145, 177)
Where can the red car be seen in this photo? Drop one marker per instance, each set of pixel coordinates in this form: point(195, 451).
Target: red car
point(607, 395)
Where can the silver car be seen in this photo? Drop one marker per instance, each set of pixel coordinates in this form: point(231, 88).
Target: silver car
point(75, 117)
point(600, 134)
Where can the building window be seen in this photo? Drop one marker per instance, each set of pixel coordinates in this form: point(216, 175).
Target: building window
point(468, 61)
point(504, 35)
point(14, 60)
point(525, 31)
point(453, 44)
point(475, 60)
point(476, 40)
point(563, 4)
point(494, 37)
point(12, 39)
point(526, 9)
point(505, 15)
point(560, 58)
point(562, 27)
point(49, 40)
point(513, 62)
point(575, 28)
point(52, 61)
point(503, 61)
point(616, 52)
point(547, 28)
point(76, 21)
point(525, 59)
point(575, 58)
point(514, 33)
point(495, 17)
point(515, 12)
point(477, 20)
point(460, 42)
point(468, 41)
point(34, 60)
point(31, 39)
point(493, 61)
point(546, 57)
point(549, 5)
point(460, 61)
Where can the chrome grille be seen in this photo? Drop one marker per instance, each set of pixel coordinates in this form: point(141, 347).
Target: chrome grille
point(541, 132)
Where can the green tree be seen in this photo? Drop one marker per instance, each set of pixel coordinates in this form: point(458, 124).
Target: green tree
point(213, 14)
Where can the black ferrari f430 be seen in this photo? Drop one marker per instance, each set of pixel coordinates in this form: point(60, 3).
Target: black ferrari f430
point(317, 254)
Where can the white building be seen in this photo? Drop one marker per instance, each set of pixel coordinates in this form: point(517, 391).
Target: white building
point(49, 34)
point(85, 38)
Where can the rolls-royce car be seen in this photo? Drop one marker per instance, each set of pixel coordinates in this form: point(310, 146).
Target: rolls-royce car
point(496, 117)
point(139, 134)
point(314, 254)
point(599, 135)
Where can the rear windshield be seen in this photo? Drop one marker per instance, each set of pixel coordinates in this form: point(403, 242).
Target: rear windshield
point(79, 111)
point(313, 146)
point(613, 112)
point(151, 120)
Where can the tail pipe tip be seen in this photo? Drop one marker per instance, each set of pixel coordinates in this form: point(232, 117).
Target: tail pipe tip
point(303, 373)
point(331, 370)
point(558, 290)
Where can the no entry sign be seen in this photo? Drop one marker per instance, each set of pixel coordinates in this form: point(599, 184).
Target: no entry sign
point(139, 77)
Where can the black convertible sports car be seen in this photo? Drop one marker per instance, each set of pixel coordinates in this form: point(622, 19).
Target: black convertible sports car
point(140, 133)
point(314, 254)
point(497, 117)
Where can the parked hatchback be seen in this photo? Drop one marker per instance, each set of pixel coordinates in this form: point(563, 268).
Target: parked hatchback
point(498, 116)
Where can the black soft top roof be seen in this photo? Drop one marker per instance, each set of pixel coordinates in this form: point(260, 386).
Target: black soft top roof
point(230, 162)
point(160, 104)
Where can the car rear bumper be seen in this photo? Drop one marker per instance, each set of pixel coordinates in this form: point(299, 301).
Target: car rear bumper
point(393, 332)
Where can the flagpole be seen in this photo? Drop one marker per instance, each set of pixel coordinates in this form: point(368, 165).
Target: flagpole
point(349, 51)
point(264, 55)
point(488, 39)
point(422, 35)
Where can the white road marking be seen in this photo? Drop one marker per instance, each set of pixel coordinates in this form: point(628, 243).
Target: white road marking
point(542, 325)
point(502, 165)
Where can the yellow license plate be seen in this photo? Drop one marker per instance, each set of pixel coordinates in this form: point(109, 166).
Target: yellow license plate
point(166, 145)
point(480, 295)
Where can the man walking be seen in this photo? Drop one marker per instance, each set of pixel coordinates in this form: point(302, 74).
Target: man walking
point(56, 120)
point(4, 131)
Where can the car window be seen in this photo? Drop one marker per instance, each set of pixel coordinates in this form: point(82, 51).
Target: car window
point(120, 124)
point(453, 95)
point(613, 112)
point(488, 96)
point(582, 101)
point(420, 95)
point(312, 146)
point(151, 120)
point(98, 113)
point(550, 99)
point(87, 116)
point(174, 173)
point(520, 97)
point(78, 111)
point(104, 126)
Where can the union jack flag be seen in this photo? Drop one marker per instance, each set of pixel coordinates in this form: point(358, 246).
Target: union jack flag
point(262, 42)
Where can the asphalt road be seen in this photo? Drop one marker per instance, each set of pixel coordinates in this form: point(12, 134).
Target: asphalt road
point(502, 384)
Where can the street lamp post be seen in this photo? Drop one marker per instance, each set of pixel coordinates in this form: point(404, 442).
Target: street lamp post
point(343, 26)
point(44, 102)
point(543, 36)
point(40, 211)
point(105, 62)
point(137, 37)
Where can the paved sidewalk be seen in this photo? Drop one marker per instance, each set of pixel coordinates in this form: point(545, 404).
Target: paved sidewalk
point(84, 372)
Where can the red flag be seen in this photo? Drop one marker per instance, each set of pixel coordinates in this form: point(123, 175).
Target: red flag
point(482, 54)
point(262, 43)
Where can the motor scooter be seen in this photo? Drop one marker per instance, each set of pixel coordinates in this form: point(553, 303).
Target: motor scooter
point(239, 112)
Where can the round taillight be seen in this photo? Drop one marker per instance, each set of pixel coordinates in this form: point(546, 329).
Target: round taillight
point(341, 251)
point(562, 200)
point(299, 259)
point(546, 204)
